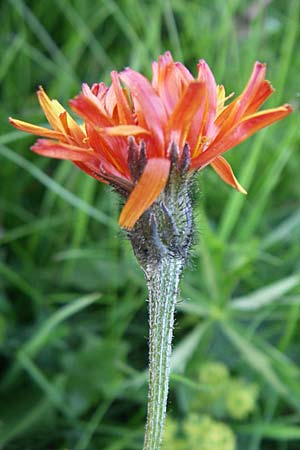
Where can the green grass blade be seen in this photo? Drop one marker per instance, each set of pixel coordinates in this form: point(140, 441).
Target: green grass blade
point(53, 186)
point(266, 295)
point(276, 430)
point(258, 361)
point(236, 201)
point(40, 338)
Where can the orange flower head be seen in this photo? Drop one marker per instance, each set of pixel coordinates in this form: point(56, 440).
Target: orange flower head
point(135, 129)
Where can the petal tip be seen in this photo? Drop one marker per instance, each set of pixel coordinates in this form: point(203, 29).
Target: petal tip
point(15, 123)
point(260, 65)
point(40, 90)
point(240, 189)
point(122, 222)
point(146, 191)
point(288, 107)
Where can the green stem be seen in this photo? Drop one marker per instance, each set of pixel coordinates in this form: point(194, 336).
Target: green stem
point(161, 240)
point(162, 282)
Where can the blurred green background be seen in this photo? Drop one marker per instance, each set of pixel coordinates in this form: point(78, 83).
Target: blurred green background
point(73, 315)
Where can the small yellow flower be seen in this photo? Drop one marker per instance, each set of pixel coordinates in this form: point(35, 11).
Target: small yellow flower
point(241, 398)
point(204, 433)
point(213, 373)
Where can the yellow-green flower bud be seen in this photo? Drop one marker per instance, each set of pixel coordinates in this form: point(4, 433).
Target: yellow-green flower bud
point(214, 377)
point(241, 399)
point(204, 433)
point(213, 373)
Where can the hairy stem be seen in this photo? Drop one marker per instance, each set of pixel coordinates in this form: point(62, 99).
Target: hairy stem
point(162, 282)
point(161, 240)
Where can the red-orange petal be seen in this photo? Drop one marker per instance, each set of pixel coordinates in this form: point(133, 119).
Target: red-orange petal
point(72, 129)
point(35, 129)
point(206, 76)
point(92, 172)
point(53, 149)
point(51, 108)
point(192, 102)
point(240, 132)
point(125, 130)
point(124, 111)
point(235, 111)
point(251, 90)
point(224, 170)
point(148, 188)
point(159, 69)
point(170, 79)
point(263, 93)
point(109, 149)
point(89, 110)
point(148, 106)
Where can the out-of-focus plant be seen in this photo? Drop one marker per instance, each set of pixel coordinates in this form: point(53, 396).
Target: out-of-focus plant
point(223, 398)
point(199, 432)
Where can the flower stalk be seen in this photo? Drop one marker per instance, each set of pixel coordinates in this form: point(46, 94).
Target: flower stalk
point(163, 288)
point(161, 240)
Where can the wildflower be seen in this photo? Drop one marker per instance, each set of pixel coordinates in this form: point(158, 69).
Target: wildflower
point(214, 377)
point(147, 140)
point(241, 399)
point(198, 433)
point(213, 373)
point(204, 433)
point(135, 128)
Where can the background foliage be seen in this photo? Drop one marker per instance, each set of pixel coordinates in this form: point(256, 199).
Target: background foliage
point(73, 320)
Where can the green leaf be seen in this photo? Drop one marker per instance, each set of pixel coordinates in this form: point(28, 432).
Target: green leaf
point(274, 430)
point(258, 361)
point(55, 187)
point(185, 349)
point(265, 296)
